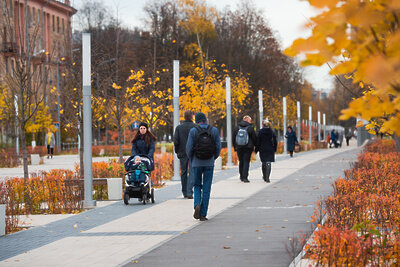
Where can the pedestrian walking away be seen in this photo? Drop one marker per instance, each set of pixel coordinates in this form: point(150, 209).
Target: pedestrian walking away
point(202, 148)
point(50, 142)
point(291, 140)
point(180, 139)
point(143, 142)
point(266, 145)
point(244, 140)
point(349, 135)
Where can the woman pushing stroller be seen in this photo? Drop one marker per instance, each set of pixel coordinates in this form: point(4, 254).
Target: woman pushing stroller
point(139, 165)
point(143, 143)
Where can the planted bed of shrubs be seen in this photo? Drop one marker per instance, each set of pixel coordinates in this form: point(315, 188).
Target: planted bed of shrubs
point(362, 226)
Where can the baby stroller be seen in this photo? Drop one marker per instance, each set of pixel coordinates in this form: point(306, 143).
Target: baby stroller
point(137, 180)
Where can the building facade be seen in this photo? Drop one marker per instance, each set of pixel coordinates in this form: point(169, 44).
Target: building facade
point(40, 28)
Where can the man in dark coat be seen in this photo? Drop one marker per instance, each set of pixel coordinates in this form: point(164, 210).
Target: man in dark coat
point(266, 145)
point(180, 140)
point(244, 151)
point(203, 168)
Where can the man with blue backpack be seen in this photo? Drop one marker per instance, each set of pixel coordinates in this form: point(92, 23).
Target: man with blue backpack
point(202, 148)
point(244, 140)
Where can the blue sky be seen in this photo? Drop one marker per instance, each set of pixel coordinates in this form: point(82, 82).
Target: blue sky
point(286, 18)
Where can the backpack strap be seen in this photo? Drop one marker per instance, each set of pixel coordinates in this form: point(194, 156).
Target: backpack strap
point(199, 129)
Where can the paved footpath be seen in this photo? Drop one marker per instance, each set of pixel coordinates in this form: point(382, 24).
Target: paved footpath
point(249, 224)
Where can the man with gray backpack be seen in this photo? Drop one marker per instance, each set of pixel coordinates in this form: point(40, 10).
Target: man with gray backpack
point(244, 140)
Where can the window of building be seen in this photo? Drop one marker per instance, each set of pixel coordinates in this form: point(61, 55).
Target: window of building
point(33, 21)
point(62, 26)
point(10, 8)
point(4, 6)
point(12, 67)
point(53, 23)
point(58, 24)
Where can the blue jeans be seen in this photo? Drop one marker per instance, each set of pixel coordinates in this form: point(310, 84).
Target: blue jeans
point(186, 180)
point(202, 187)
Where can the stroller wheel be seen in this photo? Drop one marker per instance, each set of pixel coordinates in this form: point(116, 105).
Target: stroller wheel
point(126, 198)
point(144, 199)
point(152, 195)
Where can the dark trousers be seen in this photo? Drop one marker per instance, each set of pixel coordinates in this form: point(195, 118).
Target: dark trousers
point(187, 181)
point(50, 150)
point(244, 156)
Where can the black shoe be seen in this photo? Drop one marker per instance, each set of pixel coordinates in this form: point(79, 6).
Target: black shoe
point(203, 219)
point(246, 181)
point(267, 180)
point(189, 197)
point(196, 214)
point(241, 179)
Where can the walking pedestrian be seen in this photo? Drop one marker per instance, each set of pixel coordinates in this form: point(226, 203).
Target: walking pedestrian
point(291, 139)
point(143, 142)
point(349, 135)
point(266, 145)
point(180, 140)
point(244, 140)
point(202, 148)
point(50, 142)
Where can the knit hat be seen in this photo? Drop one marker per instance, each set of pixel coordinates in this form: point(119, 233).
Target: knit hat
point(143, 124)
point(200, 117)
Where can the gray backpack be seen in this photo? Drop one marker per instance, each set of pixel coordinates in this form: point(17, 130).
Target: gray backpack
point(242, 136)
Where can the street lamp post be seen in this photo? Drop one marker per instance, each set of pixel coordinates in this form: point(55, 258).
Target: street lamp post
point(58, 106)
point(87, 121)
point(176, 115)
point(228, 121)
point(310, 125)
point(284, 124)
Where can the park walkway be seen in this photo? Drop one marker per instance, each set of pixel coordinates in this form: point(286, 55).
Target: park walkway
point(249, 223)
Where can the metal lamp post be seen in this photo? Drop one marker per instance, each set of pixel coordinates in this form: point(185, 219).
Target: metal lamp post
point(228, 121)
point(176, 176)
point(87, 121)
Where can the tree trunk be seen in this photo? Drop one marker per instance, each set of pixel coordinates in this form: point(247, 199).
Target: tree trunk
point(24, 159)
point(121, 160)
point(397, 142)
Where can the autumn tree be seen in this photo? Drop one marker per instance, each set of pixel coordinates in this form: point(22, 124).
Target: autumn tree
point(361, 39)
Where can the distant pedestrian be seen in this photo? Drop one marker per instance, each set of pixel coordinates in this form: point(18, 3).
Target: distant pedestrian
point(244, 140)
point(203, 147)
point(349, 135)
point(340, 138)
point(50, 142)
point(333, 139)
point(266, 145)
point(291, 140)
point(143, 142)
point(180, 140)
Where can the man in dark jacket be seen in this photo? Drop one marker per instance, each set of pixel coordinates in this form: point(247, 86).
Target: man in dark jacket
point(203, 169)
point(244, 150)
point(180, 140)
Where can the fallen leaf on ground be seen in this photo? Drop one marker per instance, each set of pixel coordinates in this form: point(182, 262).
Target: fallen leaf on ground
point(75, 226)
point(226, 247)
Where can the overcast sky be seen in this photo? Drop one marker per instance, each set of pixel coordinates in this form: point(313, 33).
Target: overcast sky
point(286, 18)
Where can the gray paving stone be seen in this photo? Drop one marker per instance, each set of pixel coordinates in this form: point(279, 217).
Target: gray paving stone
point(257, 230)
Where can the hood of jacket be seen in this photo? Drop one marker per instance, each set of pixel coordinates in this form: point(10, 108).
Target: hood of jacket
point(266, 131)
point(244, 124)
